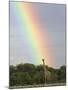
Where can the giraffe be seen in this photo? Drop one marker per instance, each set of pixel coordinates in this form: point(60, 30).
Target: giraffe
point(46, 72)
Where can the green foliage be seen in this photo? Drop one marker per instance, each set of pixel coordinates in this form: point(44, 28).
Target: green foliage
point(30, 74)
point(20, 67)
point(12, 69)
point(62, 74)
point(29, 67)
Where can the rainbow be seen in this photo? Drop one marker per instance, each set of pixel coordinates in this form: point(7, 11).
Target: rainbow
point(28, 17)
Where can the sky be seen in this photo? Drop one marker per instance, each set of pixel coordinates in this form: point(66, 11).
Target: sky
point(37, 30)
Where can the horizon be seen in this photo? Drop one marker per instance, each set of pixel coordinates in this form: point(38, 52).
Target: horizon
point(37, 65)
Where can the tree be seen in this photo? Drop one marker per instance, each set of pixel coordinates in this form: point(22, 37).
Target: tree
point(29, 67)
point(20, 67)
point(63, 73)
point(29, 74)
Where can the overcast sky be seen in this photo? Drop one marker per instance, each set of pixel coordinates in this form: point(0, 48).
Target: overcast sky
point(51, 16)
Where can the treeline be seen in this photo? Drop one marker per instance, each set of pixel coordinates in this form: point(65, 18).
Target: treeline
point(30, 74)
